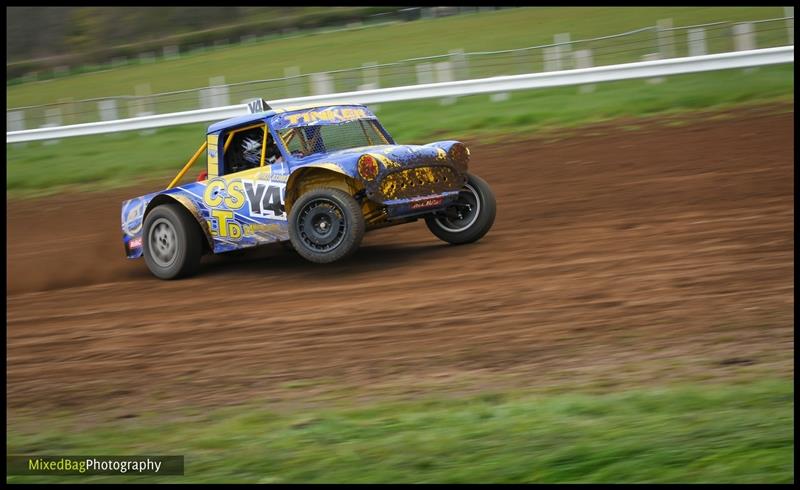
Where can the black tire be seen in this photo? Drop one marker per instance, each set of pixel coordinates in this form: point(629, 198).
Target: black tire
point(326, 225)
point(172, 242)
point(477, 206)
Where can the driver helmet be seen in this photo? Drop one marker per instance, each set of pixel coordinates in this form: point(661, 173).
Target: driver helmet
point(251, 150)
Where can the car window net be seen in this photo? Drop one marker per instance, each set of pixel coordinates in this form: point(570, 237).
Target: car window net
point(310, 140)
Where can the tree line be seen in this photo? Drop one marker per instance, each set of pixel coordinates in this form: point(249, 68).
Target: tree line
point(45, 37)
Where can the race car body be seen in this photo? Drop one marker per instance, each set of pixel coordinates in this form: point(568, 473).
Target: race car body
point(318, 177)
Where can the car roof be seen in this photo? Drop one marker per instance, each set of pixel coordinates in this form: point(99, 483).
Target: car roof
point(260, 116)
point(239, 120)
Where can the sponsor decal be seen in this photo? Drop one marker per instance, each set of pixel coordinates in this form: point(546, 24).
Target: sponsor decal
point(258, 105)
point(259, 198)
point(330, 115)
point(279, 178)
point(223, 224)
point(321, 115)
point(219, 192)
point(132, 216)
point(427, 203)
point(266, 199)
point(135, 242)
point(261, 228)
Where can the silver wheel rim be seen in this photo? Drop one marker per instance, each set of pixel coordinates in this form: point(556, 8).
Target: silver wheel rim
point(448, 225)
point(163, 242)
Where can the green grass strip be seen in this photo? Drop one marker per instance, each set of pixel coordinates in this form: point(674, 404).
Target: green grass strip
point(740, 433)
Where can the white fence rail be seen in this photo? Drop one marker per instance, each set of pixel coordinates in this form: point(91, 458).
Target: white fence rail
point(645, 69)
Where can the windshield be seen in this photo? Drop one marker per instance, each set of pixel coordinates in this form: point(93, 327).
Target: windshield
point(302, 142)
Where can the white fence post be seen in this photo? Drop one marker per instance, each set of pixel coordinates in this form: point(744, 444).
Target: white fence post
point(583, 59)
point(220, 93)
point(204, 94)
point(370, 80)
point(108, 110)
point(743, 36)
point(789, 12)
point(666, 42)
point(697, 42)
point(563, 49)
point(653, 57)
point(460, 64)
point(444, 73)
point(144, 105)
point(744, 39)
point(15, 121)
point(292, 82)
point(551, 59)
point(321, 84)
point(369, 73)
point(68, 111)
point(53, 118)
point(425, 73)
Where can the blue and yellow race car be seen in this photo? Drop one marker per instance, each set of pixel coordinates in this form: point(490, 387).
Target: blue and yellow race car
point(317, 177)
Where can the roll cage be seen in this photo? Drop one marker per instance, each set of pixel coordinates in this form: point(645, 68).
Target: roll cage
point(283, 140)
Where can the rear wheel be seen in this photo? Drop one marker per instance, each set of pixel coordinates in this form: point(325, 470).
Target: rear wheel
point(326, 225)
point(172, 242)
point(469, 218)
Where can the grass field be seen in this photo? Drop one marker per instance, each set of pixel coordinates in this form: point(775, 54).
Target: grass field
point(505, 29)
point(732, 433)
point(97, 162)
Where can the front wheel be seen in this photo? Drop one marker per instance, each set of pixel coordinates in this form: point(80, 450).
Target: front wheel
point(469, 218)
point(326, 225)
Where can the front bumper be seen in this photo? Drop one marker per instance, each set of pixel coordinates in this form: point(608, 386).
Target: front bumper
point(415, 183)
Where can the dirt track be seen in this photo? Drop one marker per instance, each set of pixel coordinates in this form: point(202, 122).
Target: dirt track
point(617, 257)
